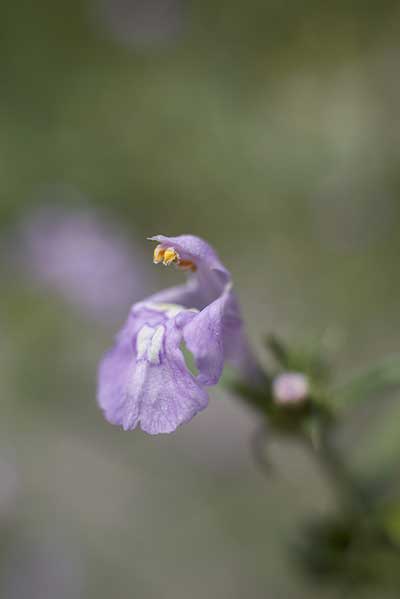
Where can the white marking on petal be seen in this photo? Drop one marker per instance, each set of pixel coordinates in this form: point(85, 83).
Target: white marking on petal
point(155, 345)
point(143, 340)
point(149, 343)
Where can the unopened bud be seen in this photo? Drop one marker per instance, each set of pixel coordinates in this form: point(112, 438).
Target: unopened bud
point(290, 388)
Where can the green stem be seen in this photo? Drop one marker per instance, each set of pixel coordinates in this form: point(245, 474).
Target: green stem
point(349, 489)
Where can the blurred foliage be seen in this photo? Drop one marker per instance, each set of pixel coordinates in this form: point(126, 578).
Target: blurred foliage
point(348, 556)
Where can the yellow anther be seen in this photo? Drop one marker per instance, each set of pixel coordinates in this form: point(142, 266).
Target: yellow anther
point(158, 256)
point(170, 256)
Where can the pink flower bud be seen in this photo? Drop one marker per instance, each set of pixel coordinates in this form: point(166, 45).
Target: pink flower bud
point(290, 388)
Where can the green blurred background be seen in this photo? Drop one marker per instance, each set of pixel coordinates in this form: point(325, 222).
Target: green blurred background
point(272, 130)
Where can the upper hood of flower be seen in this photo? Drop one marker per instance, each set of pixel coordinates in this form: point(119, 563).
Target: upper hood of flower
point(210, 276)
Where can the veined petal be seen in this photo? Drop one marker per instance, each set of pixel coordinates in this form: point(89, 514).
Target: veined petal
point(146, 381)
point(204, 337)
point(112, 382)
point(214, 335)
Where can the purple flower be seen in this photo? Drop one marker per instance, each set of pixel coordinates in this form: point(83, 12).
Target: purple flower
point(144, 378)
point(83, 259)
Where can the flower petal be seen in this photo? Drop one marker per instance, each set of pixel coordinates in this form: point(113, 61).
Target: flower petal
point(194, 249)
point(188, 294)
point(205, 337)
point(112, 382)
point(147, 381)
point(211, 276)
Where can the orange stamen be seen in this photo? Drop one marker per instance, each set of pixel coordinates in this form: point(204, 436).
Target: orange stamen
point(170, 256)
point(186, 265)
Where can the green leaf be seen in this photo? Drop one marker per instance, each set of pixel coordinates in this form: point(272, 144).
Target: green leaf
point(380, 378)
